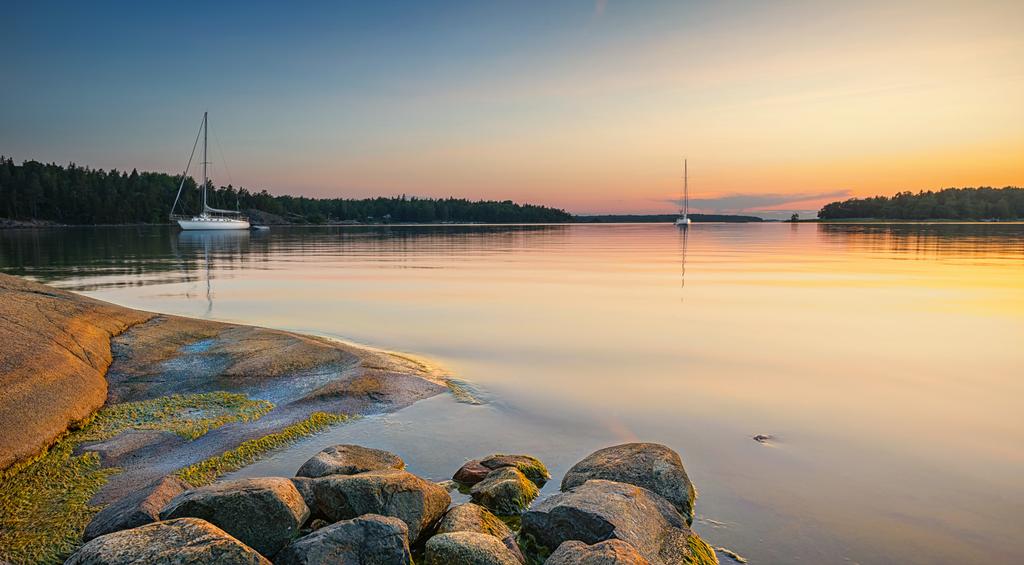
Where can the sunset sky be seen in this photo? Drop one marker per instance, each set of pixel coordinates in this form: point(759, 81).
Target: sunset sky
point(585, 105)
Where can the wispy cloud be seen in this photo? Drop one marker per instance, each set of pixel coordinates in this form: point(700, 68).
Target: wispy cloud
point(599, 6)
point(748, 202)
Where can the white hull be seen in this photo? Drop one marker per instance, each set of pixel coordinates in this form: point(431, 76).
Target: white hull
point(214, 224)
point(683, 222)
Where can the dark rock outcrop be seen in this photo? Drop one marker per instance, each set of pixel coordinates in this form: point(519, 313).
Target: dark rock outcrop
point(609, 552)
point(132, 446)
point(184, 541)
point(527, 465)
point(467, 548)
point(599, 510)
point(650, 465)
point(366, 540)
point(418, 503)
point(349, 460)
point(265, 514)
point(137, 509)
point(505, 491)
point(471, 473)
point(471, 517)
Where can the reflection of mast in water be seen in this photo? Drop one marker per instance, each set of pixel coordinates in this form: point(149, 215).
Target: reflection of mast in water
point(226, 242)
point(209, 289)
point(684, 240)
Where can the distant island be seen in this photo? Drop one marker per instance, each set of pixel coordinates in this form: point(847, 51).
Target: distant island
point(75, 195)
point(983, 203)
point(659, 218)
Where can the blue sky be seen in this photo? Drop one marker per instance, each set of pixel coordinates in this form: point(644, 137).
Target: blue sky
point(581, 104)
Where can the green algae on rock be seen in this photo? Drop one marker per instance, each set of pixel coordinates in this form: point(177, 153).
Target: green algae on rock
point(527, 465)
point(208, 470)
point(505, 491)
point(45, 506)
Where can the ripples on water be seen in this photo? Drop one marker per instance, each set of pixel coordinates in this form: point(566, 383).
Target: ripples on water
point(885, 359)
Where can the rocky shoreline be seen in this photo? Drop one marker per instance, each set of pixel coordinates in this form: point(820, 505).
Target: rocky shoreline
point(98, 400)
point(628, 504)
point(125, 420)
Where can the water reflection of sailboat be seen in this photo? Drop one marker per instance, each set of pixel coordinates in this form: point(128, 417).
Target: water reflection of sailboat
point(684, 236)
point(214, 244)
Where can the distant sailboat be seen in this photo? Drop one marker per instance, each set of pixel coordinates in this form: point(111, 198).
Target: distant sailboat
point(683, 220)
point(210, 218)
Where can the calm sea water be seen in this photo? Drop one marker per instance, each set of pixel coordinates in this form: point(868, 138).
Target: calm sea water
point(886, 360)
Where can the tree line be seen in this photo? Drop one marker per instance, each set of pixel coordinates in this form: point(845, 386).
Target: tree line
point(84, 196)
point(982, 203)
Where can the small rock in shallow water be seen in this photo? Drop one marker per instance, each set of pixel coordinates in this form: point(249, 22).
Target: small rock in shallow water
point(505, 491)
point(137, 509)
point(264, 513)
point(527, 465)
point(471, 517)
point(174, 542)
point(731, 554)
point(467, 548)
point(366, 540)
point(349, 460)
point(650, 465)
point(471, 473)
point(609, 552)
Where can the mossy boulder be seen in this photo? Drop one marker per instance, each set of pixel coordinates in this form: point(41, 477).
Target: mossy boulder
point(599, 510)
point(506, 492)
point(527, 465)
point(418, 503)
point(467, 548)
point(366, 540)
point(264, 513)
point(174, 542)
point(471, 473)
point(137, 509)
point(349, 460)
point(650, 465)
point(471, 517)
point(609, 552)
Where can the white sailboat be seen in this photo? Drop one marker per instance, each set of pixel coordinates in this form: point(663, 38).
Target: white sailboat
point(683, 220)
point(210, 218)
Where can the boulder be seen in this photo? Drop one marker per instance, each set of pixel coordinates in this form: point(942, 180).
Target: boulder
point(467, 548)
point(527, 465)
point(609, 552)
point(137, 509)
point(418, 503)
point(599, 510)
point(505, 491)
point(349, 460)
point(650, 465)
point(305, 487)
point(366, 540)
point(471, 517)
point(264, 513)
point(175, 542)
point(471, 473)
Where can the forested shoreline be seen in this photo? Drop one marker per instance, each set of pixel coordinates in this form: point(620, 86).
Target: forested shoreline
point(983, 203)
point(76, 195)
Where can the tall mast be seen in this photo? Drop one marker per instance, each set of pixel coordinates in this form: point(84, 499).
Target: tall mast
point(686, 190)
point(205, 129)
